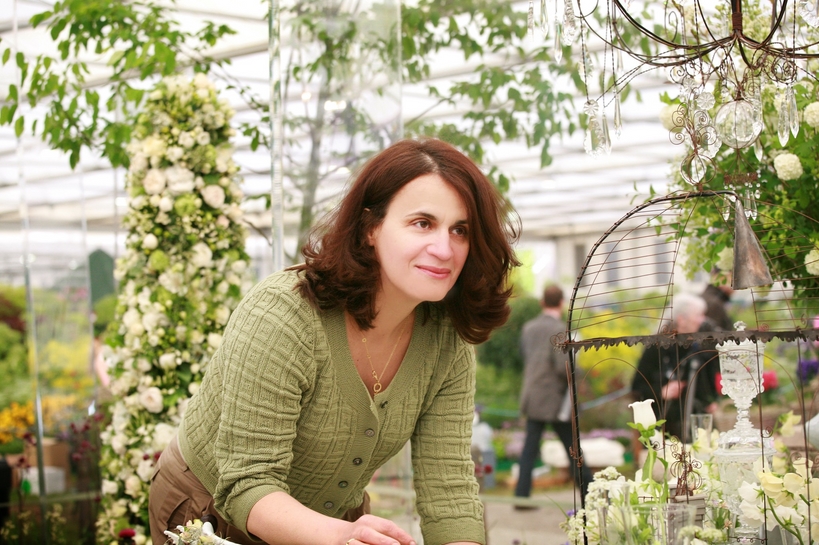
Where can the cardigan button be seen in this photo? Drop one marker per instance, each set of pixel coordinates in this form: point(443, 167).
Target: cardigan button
point(328, 505)
point(357, 461)
point(370, 432)
point(342, 484)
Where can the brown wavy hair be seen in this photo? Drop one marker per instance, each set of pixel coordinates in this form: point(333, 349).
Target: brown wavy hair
point(341, 268)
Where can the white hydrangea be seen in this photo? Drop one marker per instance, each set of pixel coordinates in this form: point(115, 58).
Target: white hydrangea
point(186, 140)
point(812, 262)
point(167, 361)
point(788, 167)
point(725, 259)
point(811, 114)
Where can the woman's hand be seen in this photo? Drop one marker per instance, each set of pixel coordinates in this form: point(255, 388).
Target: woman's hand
point(372, 530)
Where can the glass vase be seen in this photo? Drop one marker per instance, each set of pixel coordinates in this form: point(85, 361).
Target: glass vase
point(658, 523)
point(740, 448)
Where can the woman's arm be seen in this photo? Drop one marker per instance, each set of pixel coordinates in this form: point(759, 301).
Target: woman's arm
point(279, 518)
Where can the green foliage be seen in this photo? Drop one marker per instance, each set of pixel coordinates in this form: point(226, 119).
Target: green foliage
point(497, 391)
point(137, 39)
point(104, 311)
point(787, 207)
point(501, 351)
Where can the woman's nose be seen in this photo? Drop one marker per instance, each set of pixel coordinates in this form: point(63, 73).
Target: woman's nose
point(441, 247)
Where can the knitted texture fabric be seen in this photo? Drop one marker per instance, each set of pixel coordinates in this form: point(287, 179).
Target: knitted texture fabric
point(282, 408)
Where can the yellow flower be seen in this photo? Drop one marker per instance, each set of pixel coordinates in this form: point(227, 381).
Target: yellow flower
point(789, 422)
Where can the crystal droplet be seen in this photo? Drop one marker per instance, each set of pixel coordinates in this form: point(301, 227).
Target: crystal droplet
point(558, 45)
point(569, 23)
point(758, 151)
point(605, 137)
point(530, 23)
point(618, 118)
point(793, 112)
point(618, 67)
point(544, 18)
point(750, 205)
point(591, 140)
point(783, 125)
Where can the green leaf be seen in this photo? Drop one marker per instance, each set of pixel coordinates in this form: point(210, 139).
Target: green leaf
point(6, 55)
point(19, 125)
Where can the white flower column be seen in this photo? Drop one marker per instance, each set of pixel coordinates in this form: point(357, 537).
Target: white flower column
point(181, 274)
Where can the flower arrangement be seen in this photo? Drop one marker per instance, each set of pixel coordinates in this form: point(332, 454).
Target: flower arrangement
point(642, 511)
point(787, 494)
point(183, 271)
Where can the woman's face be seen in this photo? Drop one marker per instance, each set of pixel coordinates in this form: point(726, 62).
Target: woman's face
point(422, 243)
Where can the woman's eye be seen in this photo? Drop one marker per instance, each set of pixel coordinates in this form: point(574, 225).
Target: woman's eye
point(460, 231)
point(423, 224)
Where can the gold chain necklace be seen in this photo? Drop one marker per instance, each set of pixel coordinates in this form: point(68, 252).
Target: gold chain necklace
point(377, 386)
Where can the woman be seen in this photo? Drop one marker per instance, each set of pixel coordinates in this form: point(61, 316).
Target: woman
point(327, 369)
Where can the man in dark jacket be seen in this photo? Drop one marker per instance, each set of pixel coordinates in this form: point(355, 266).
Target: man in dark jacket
point(545, 386)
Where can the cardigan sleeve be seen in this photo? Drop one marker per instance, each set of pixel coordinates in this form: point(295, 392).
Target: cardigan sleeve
point(444, 474)
point(266, 363)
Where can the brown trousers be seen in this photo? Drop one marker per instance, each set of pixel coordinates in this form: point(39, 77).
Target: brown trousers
point(177, 496)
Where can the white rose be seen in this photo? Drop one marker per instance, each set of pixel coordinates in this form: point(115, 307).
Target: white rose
point(109, 487)
point(150, 241)
point(234, 212)
point(202, 256)
point(180, 180)
point(222, 315)
point(239, 267)
point(133, 485)
point(223, 158)
point(143, 365)
point(136, 329)
point(222, 222)
point(131, 316)
point(193, 387)
point(139, 163)
point(151, 320)
point(201, 81)
point(153, 146)
point(162, 218)
point(145, 469)
point(811, 114)
point(154, 181)
point(167, 361)
point(151, 399)
point(119, 443)
point(155, 95)
point(155, 200)
point(165, 204)
point(214, 340)
point(643, 413)
point(213, 195)
point(197, 337)
point(788, 167)
point(163, 433)
point(186, 140)
point(174, 154)
point(203, 138)
point(138, 202)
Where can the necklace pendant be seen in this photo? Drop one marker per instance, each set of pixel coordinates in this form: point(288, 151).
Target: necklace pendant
point(376, 387)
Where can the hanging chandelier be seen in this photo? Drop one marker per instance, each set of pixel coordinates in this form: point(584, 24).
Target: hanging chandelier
point(721, 56)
